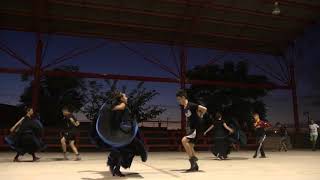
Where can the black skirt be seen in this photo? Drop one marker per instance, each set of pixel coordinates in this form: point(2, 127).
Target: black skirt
point(221, 147)
point(123, 156)
point(221, 141)
point(25, 142)
point(28, 138)
point(69, 134)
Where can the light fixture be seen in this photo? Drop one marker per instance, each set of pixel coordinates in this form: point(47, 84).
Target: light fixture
point(276, 10)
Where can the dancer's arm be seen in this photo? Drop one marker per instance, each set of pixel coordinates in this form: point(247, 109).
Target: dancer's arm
point(209, 129)
point(121, 106)
point(74, 122)
point(201, 110)
point(228, 128)
point(15, 126)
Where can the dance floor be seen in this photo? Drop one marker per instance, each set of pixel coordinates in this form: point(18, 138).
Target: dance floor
point(293, 165)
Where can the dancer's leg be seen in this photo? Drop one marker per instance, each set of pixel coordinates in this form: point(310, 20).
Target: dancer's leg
point(186, 145)
point(34, 157)
point(193, 153)
point(75, 150)
point(16, 158)
point(64, 147)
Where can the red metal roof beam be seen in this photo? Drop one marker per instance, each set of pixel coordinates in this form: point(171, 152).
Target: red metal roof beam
point(13, 54)
point(141, 26)
point(239, 84)
point(56, 73)
point(295, 4)
point(107, 7)
point(151, 60)
point(109, 76)
point(226, 8)
point(16, 71)
point(238, 48)
point(73, 53)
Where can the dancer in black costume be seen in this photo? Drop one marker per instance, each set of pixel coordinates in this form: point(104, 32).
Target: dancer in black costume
point(260, 127)
point(283, 132)
point(25, 137)
point(238, 137)
point(68, 134)
point(121, 156)
point(221, 132)
point(194, 114)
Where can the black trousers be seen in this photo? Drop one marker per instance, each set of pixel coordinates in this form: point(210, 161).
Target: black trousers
point(260, 141)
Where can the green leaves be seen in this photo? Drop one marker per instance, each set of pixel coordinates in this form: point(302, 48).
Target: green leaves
point(56, 92)
point(233, 102)
point(138, 99)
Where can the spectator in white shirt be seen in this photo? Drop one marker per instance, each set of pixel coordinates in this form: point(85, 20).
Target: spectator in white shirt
point(313, 134)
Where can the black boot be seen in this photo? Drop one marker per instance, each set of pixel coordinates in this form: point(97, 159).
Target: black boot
point(194, 158)
point(255, 155)
point(263, 155)
point(144, 156)
point(16, 158)
point(117, 172)
point(111, 168)
point(194, 166)
point(34, 157)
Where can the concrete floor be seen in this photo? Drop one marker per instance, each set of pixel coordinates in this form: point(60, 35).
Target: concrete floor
point(293, 165)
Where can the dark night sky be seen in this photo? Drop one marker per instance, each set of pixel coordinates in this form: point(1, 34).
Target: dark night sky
point(115, 59)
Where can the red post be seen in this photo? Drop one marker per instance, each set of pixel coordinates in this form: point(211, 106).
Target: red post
point(294, 98)
point(37, 75)
point(183, 70)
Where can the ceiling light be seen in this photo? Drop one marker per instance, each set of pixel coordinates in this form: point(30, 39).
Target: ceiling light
point(276, 10)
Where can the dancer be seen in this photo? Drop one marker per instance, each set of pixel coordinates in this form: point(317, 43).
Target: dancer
point(68, 134)
point(282, 130)
point(221, 132)
point(25, 137)
point(260, 127)
point(238, 137)
point(122, 135)
point(194, 113)
point(313, 134)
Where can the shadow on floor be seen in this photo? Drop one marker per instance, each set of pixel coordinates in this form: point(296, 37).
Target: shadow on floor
point(184, 171)
point(231, 159)
point(107, 175)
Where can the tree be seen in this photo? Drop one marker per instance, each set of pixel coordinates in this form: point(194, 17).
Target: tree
point(138, 99)
point(232, 102)
point(55, 93)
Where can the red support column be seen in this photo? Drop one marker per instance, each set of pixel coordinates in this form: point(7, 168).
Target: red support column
point(294, 98)
point(37, 75)
point(183, 70)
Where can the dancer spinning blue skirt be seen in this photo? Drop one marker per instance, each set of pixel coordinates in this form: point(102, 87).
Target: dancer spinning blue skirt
point(116, 129)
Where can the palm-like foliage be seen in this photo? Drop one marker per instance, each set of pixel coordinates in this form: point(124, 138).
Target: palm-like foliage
point(233, 102)
point(55, 93)
point(138, 98)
